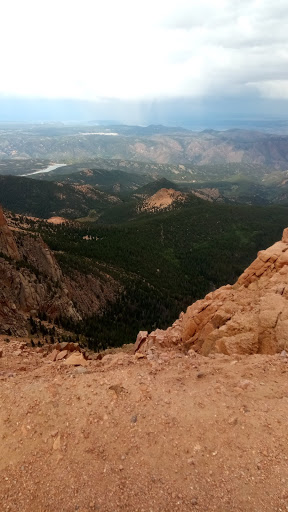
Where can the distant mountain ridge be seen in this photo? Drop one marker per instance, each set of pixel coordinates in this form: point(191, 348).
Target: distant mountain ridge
point(114, 180)
point(147, 144)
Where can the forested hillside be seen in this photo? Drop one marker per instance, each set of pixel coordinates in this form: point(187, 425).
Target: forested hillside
point(164, 261)
point(46, 199)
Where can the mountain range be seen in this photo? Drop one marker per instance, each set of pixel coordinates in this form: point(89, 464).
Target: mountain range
point(152, 144)
point(136, 228)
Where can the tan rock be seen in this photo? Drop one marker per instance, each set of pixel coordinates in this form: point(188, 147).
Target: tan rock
point(285, 236)
point(7, 242)
point(57, 443)
point(138, 355)
point(76, 359)
point(61, 355)
point(53, 355)
point(142, 336)
point(242, 343)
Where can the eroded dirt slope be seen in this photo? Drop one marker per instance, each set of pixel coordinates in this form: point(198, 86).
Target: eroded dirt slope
point(127, 433)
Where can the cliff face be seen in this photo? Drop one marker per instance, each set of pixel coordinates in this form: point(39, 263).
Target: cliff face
point(247, 318)
point(31, 281)
point(8, 246)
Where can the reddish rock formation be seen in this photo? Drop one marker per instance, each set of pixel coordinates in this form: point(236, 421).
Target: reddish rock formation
point(37, 284)
point(24, 292)
point(8, 245)
point(247, 318)
point(162, 199)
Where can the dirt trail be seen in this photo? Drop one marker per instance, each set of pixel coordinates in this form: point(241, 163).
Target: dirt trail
point(181, 432)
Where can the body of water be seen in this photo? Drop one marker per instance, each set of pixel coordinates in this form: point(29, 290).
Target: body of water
point(47, 169)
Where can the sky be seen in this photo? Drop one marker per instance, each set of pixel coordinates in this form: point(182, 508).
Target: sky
point(146, 60)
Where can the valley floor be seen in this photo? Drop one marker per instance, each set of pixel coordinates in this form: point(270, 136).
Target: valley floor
point(177, 433)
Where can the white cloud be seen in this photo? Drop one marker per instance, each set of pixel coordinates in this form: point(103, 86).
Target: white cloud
point(274, 89)
point(135, 50)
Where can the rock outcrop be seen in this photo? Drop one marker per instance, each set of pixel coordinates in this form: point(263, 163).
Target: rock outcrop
point(247, 318)
point(31, 282)
point(8, 245)
point(162, 199)
point(25, 292)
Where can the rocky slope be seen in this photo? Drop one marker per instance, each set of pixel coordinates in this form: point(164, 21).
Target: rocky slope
point(32, 282)
point(8, 246)
point(247, 318)
point(162, 199)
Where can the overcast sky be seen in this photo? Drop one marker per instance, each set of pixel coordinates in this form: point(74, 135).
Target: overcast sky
point(145, 50)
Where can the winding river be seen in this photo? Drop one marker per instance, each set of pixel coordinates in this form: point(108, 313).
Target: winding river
point(47, 169)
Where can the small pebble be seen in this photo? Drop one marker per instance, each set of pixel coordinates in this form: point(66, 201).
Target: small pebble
point(81, 369)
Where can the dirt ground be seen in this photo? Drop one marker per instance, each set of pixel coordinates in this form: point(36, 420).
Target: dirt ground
point(177, 433)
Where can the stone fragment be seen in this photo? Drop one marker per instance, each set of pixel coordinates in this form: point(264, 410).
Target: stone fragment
point(118, 389)
point(233, 421)
point(139, 355)
point(244, 384)
point(81, 369)
point(142, 336)
point(61, 355)
point(57, 443)
point(53, 355)
point(285, 236)
point(76, 359)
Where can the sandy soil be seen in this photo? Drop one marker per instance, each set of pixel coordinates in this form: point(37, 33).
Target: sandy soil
point(177, 433)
